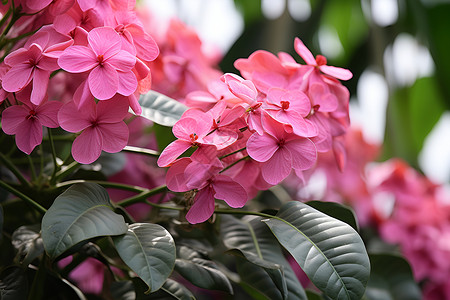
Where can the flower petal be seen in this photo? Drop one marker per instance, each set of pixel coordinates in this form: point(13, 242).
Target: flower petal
point(304, 52)
point(48, 113)
point(113, 110)
point(87, 147)
point(29, 135)
point(175, 179)
point(171, 152)
point(127, 83)
point(12, 117)
point(303, 153)
point(261, 147)
point(77, 59)
point(230, 191)
point(277, 167)
point(203, 207)
point(40, 85)
point(17, 77)
point(336, 72)
point(104, 41)
point(72, 120)
point(114, 136)
point(103, 82)
point(122, 61)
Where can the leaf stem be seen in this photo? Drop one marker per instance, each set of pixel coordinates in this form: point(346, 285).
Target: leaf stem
point(142, 196)
point(14, 170)
point(55, 163)
point(66, 171)
point(22, 196)
point(234, 152)
point(106, 184)
point(234, 163)
point(140, 150)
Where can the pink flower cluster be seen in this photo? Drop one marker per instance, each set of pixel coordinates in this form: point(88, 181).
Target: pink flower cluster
point(250, 133)
point(105, 53)
point(419, 222)
point(406, 208)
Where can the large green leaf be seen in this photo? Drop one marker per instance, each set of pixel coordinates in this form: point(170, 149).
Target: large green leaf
point(391, 279)
point(13, 283)
point(329, 251)
point(28, 243)
point(201, 272)
point(336, 210)
point(161, 109)
point(82, 212)
point(149, 250)
point(264, 268)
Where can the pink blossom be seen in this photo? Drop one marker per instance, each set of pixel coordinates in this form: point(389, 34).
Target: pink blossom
point(280, 151)
point(291, 107)
point(190, 133)
point(26, 121)
point(109, 67)
point(134, 39)
point(320, 62)
point(101, 124)
point(186, 175)
point(35, 62)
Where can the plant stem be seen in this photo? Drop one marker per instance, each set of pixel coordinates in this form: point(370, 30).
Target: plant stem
point(139, 150)
point(55, 163)
point(32, 169)
point(14, 170)
point(66, 171)
point(106, 184)
point(234, 163)
point(22, 196)
point(142, 196)
point(234, 152)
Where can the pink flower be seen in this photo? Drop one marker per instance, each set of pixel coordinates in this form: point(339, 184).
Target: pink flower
point(35, 62)
point(109, 67)
point(190, 133)
point(320, 62)
point(186, 175)
point(291, 107)
point(26, 121)
point(101, 124)
point(280, 151)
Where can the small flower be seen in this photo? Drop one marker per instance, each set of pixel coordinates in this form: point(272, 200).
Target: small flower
point(102, 127)
point(109, 67)
point(26, 121)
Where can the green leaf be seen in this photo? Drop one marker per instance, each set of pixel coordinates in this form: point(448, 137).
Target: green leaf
point(171, 290)
point(13, 284)
point(329, 251)
point(149, 250)
point(426, 107)
point(391, 278)
point(82, 212)
point(28, 242)
point(337, 211)
point(123, 290)
point(201, 272)
point(264, 269)
point(161, 109)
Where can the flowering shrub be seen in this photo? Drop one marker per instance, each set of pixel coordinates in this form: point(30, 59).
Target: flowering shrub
point(137, 164)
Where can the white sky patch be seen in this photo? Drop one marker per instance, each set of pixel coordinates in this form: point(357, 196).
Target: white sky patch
point(273, 9)
point(329, 42)
point(434, 159)
point(217, 22)
point(300, 10)
point(370, 111)
point(384, 12)
point(406, 60)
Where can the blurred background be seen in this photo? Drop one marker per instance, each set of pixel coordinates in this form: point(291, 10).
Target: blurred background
point(398, 51)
